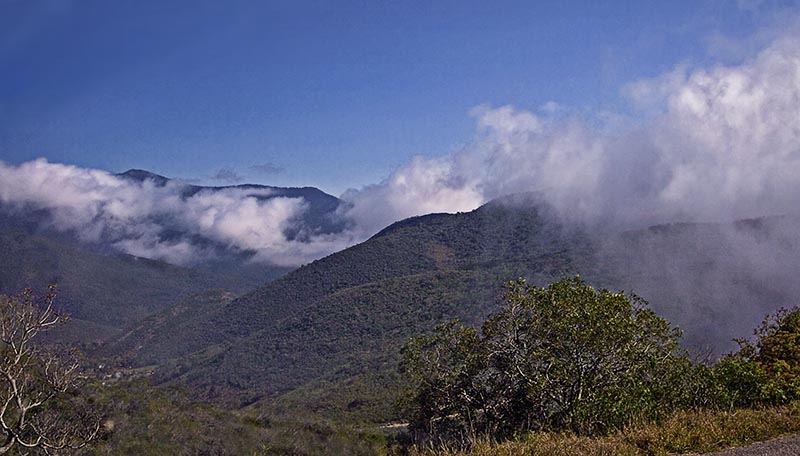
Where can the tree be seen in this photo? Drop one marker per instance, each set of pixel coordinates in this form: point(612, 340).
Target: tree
point(442, 368)
point(41, 409)
point(777, 351)
point(566, 356)
point(765, 370)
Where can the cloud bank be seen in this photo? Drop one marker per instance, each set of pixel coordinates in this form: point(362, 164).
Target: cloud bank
point(713, 144)
point(161, 222)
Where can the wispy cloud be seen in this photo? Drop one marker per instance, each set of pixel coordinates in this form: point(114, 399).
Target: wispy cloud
point(749, 5)
point(227, 175)
point(268, 168)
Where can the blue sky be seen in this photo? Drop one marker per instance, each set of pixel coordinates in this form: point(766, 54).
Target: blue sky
point(330, 94)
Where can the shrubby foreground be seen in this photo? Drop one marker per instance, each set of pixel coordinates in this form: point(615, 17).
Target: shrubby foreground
point(559, 367)
point(570, 358)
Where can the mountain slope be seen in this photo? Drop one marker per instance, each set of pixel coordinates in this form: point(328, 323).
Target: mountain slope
point(326, 337)
point(217, 228)
point(102, 293)
point(163, 325)
point(105, 291)
point(349, 313)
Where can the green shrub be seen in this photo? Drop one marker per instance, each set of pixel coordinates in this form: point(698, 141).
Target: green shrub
point(570, 358)
point(765, 371)
point(563, 357)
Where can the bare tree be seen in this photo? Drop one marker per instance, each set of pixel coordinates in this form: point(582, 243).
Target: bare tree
point(41, 410)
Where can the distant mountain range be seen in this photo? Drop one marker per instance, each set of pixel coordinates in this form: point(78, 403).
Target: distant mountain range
point(105, 291)
point(318, 219)
point(326, 336)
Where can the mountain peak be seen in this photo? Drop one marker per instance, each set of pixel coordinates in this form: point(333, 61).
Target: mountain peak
point(141, 175)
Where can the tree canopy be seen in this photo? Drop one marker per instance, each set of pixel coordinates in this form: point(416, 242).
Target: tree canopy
point(562, 357)
point(766, 369)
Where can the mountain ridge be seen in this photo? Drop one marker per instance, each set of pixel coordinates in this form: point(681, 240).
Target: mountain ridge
point(339, 322)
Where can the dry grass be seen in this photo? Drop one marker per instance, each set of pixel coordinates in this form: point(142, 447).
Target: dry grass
point(546, 444)
point(704, 431)
point(684, 432)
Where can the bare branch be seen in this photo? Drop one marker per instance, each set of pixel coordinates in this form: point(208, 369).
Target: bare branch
point(39, 410)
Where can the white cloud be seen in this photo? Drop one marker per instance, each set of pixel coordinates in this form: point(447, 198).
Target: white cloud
point(650, 94)
point(729, 143)
point(421, 187)
point(142, 218)
point(714, 144)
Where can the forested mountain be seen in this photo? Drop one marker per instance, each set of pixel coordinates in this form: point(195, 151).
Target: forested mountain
point(214, 228)
point(105, 291)
point(318, 219)
point(345, 316)
point(326, 337)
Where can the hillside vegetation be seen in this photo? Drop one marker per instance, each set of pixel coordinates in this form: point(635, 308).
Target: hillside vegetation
point(326, 338)
point(568, 369)
point(322, 344)
point(103, 293)
point(342, 320)
point(142, 421)
point(565, 369)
